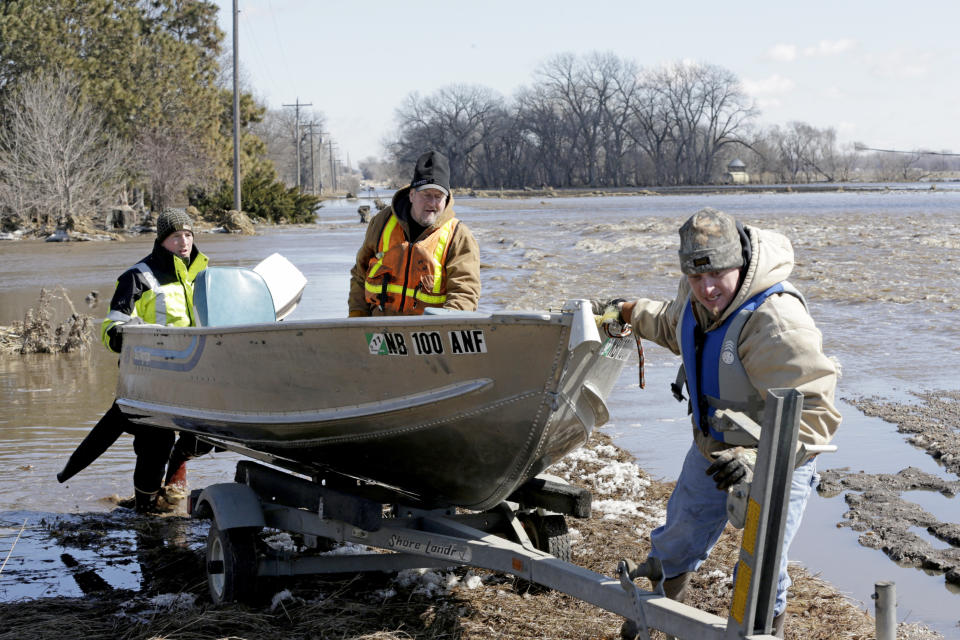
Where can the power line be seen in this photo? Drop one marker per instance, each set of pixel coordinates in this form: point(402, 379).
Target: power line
point(276, 32)
point(861, 147)
point(248, 32)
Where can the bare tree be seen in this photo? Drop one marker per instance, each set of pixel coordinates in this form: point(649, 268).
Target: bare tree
point(614, 83)
point(284, 141)
point(650, 129)
point(707, 110)
point(795, 144)
point(580, 90)
point(171, 160)
point(455, 120)
point(57, 159)
point(549, 136)
point(804, 153)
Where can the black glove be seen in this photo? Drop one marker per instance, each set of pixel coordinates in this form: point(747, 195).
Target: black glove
point(600, 307)
point(115, 339)
point(732, 466)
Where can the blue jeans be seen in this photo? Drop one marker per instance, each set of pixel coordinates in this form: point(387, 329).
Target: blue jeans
point(697, 515)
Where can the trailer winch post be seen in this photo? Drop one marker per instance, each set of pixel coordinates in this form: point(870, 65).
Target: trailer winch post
point(758, 567)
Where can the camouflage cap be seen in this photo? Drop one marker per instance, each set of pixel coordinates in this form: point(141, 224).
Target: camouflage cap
point(172, 220)
point(709, 241)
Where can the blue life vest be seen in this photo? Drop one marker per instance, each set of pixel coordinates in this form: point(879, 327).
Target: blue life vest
point(724, 381)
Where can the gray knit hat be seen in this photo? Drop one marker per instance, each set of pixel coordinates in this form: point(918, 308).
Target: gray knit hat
point(709, 241)
point(172, 220)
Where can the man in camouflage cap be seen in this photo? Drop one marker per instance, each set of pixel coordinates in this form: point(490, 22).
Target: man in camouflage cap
point(741, 329)
point(709, 241)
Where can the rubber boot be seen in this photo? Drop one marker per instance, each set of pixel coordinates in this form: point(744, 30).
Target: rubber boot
point(141, 502)
point(175, 482)
point(779, 622)
point(674, 588)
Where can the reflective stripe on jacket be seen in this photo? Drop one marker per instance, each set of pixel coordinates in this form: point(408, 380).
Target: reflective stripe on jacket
point(406, 277)
point(153, 295)
point(715, 376)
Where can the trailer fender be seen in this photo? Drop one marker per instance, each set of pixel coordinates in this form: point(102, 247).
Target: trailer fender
point(230, 505)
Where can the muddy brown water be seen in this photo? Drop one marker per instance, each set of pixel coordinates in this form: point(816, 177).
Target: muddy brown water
point(878, 269)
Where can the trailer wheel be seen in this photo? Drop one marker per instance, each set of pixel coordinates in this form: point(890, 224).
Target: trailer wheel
point(232, 564)
point(550, 534)
point(547, 533)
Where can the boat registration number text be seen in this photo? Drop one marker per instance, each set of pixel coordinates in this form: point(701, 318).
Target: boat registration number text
point(427, 343)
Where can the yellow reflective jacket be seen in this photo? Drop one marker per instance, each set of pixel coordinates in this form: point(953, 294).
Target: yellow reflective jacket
point(156, 290)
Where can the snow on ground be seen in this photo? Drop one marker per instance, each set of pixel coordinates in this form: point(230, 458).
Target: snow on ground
point(622, 483)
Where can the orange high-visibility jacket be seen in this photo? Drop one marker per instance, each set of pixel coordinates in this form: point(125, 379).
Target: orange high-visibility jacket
point(406, 277)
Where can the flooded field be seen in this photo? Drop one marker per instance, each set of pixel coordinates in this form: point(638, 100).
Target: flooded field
point(878, 269)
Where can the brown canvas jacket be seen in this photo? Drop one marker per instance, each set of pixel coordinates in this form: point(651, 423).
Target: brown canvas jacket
point(780, 346)
point(462, 265)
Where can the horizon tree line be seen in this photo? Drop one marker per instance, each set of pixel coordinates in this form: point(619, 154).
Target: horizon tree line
point(601, 121)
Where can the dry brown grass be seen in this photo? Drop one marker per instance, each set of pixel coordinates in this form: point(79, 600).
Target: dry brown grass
point(54, 326)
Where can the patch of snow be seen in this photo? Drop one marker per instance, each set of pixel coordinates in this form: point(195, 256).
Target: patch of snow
point(281, 541)
point(174, 601)
point(280, 597)
point(716, 574)
point(427, 582)
point(618, 507)
point(347, 549)
point(471, 581)
point(144, 611)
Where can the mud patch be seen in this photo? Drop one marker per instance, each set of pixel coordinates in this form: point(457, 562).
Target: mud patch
point(932, 425)
point(877, 507)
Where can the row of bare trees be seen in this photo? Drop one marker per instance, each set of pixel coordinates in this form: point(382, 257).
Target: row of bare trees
point(596, 120)
point(601, 121)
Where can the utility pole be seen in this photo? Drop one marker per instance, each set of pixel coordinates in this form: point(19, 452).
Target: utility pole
point(313, 174)
point(333, 168)
point(296, 135)
point(236, 112)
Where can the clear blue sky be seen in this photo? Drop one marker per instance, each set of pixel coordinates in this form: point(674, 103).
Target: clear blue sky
point(882, 72)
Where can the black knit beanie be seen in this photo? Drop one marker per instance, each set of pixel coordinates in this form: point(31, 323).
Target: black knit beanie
point(432, 172)
point(172, 220)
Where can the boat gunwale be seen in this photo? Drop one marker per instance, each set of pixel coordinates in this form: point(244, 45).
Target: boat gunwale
point(518, 318)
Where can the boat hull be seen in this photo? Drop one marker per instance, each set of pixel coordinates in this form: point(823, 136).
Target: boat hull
point(455, 409)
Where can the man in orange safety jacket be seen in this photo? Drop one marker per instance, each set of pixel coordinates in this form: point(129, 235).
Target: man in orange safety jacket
point(416, 253)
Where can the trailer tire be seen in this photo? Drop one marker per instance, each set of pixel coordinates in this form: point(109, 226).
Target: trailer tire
point(550, 534)
point(547, 533)
point(232, 564)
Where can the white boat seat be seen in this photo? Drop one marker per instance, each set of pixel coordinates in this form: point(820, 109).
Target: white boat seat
point(225, 296)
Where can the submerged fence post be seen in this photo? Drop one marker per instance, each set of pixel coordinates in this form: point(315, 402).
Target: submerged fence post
point(885, 594)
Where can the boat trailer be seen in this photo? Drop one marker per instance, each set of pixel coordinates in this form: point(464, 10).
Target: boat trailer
point(525, 536)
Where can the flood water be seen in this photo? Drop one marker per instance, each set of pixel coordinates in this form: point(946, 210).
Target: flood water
point(878, 269)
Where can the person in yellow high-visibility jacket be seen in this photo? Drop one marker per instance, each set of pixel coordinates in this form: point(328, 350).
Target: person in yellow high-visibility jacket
point(156, 290)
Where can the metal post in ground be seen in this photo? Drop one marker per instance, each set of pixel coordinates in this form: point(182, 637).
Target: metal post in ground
point(885, 595)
